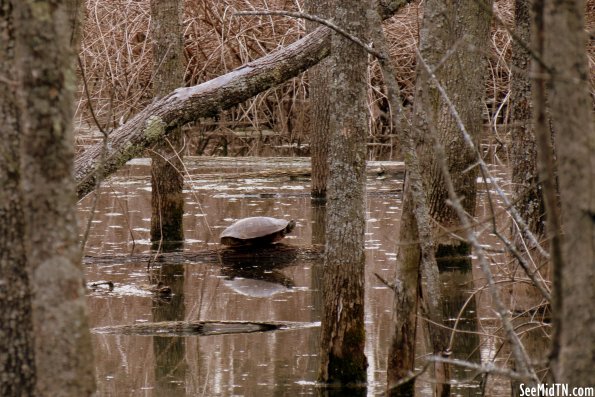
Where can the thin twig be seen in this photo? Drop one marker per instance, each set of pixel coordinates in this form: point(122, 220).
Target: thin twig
point(88, 95)
point(511, 248)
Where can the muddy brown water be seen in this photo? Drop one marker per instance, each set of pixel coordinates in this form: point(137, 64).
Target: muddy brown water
point(274, 363)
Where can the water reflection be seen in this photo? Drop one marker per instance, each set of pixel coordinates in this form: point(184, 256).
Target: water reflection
point(282, 284)
point(256, 282)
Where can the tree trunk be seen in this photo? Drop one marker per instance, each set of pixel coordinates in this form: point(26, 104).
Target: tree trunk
point(451, 34)
point(526, 188)
point(401, 349)
point(416, 261)
point(17, 365)
point(343, 331)
point(570, 106)
point(319, 79)
point(523, 155)
point(204, 100)
point(167, 178)
point(63, 355)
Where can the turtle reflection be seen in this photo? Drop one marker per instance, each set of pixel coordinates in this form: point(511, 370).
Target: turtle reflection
point(258, 276)
point(257, 283)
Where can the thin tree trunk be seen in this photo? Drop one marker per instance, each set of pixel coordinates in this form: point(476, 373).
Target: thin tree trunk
point(17, 365)
point(167, 178)
point(526, 188)
point(63, 355)
point(571, 107)
point(319, 79)
point(546, 171)
point(343, 331)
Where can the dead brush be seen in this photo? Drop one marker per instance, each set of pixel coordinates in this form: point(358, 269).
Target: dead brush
point(116, 55)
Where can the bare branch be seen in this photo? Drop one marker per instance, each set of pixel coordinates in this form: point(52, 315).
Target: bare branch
point(484, 369)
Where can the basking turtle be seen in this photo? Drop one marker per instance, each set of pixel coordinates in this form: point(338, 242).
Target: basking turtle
point(258, 230)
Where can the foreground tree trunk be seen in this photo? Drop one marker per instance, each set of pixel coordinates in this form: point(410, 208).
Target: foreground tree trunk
point(343, 340)
point(451, 34)
point(167, 178)
point(17, 366)
point(570, 106)
point(63, 355)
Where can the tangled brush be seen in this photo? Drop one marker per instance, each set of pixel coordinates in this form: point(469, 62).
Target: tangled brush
point(117, 62)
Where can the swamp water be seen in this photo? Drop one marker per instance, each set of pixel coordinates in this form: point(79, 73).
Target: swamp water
point(273, 363)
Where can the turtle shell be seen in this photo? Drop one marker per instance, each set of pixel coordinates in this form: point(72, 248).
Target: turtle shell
point(256, 230)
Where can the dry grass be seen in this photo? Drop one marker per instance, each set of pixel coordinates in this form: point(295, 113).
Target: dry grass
point(116, 56)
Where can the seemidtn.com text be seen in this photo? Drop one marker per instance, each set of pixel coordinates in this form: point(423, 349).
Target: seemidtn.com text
point(555, 390)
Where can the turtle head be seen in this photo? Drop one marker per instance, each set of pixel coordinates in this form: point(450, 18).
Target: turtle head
point(290, 226)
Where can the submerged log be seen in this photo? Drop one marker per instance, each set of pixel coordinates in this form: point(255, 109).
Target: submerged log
point(274, 256)
point(232, 168)
point(187, 104)
point(201, 328)
point(293, 167)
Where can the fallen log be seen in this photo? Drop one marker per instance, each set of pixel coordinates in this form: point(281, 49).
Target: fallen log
point(274, 256)
point(201, 328)
point(189, 104)
point(263, 167)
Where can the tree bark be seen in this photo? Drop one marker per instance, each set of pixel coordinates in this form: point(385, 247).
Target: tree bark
point(319, 80)
point(523, 155)
point(451, 34)
point(342, 358)
point(17, 365)
point(184, 105)
point(167, 178)
point(401, 349)
point(63, 355)
point(526, 187)
point(570, 106)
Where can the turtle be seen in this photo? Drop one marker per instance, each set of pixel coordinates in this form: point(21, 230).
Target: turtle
point(257, 230)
